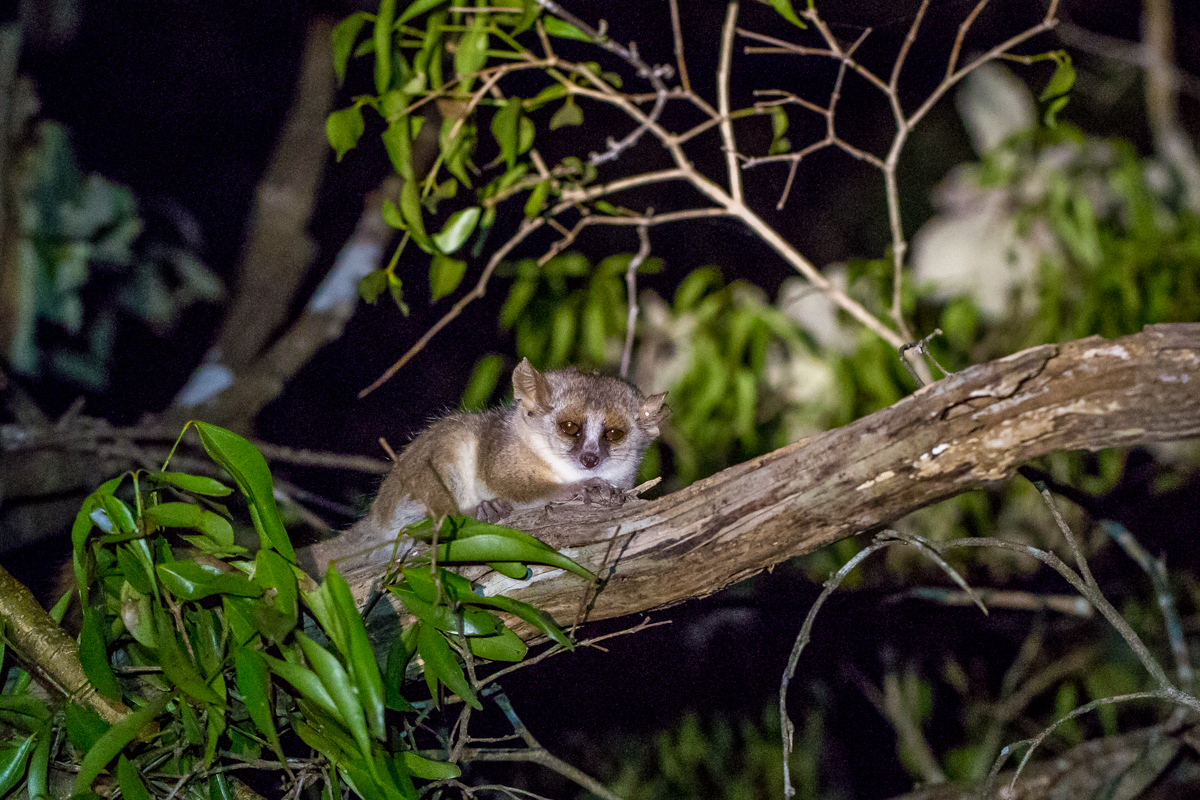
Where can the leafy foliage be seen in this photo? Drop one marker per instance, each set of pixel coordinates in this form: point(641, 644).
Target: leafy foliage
point(78, 232)
point(222, 654)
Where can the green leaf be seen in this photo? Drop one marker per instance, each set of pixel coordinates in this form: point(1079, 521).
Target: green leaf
point(239, 613)
point(512, 569)
point(372, 285)
point(356, 647)
point(471, 54)
point(392, 216)
point(504, 129)
point(188, 580)
point(417, 8)
point(1063, 78)
point(539, 619)
point(445, 273)
point(272, 572)
point(397, 142)
point(455, 232)
point(341, 689)
point(249, 470)
point(537, 199)
point(785, 10)
point(189, 515)
point(93, 654)
point(568, 114)
point(564, 30)
point(528, 16)
point(504, 646)
point(119, 514)
point(115, 739)
point(410, 209)
point(130, 780)
point(440, 665)
point(342, 129)
point(422, 767)
point(482, 382)
point(1056, 105)
point(383, 45)
point(400, 652)
point(470, 623)
point(306, 682)
point(178, 667)
point(84, 727)
point(254, 685)
point(13, 761)
point(196, 484)
point(24, 712)
point(344, 35)
point(493, 547)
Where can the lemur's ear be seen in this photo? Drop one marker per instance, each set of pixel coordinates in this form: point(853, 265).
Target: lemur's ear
point(654, 412)
point(530, 387)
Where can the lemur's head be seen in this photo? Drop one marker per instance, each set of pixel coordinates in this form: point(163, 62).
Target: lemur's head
point(584, 424)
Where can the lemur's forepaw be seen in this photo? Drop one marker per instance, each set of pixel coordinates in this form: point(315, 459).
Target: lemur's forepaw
point(492, 510)
point(600, 491)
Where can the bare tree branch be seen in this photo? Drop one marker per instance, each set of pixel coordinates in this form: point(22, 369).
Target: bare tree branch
point(960, 433)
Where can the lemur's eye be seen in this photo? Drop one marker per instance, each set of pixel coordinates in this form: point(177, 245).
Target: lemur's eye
point(614, 435)
point(568, 428)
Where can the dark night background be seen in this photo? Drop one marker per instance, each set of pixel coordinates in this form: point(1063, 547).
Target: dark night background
point(182, 102)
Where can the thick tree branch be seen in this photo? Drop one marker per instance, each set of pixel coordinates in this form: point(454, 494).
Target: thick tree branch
point(963, 432)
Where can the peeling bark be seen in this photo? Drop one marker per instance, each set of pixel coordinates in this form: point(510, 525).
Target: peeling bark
point(960, 433)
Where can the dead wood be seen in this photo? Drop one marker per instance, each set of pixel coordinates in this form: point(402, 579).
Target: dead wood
point(960, 433)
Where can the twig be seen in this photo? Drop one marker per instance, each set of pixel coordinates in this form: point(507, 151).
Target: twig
point(677, 35)
point(631, 293)
point(723, 70)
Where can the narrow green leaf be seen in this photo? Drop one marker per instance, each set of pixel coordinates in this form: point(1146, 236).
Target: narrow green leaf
point(416, 8)
point(24, 712)
point(1056, 105)
point(785, 10)
point(84, 727)
point(13, 761)
point(564, 30)
point(537, 199)
point(189, 515)
point(399, 147)
point(1063, 78)
point(504, 646)
point(445, 274)
point(470, 623)
point(119, 514)
point(422, 767)
point(511, 569)
point(471, 54)
point(196, 484)
point(364, 669)
point(93, 654)
point(130, 780)
point(307, 684)
point(249, 470)
point(188, 580)
point(254, 685)
point(491, 547)
point(504, 129)
point(344, 35)
point(528, 16)
point(176, 665)
point(114, 740)
point(410, 209)
point(440, 665)
point(383, 45)
point(272, 572)
point(337, 683)
point(400, 652)
point(342, 129)
point(539, 619)
point(456, 230)
point(482, 382)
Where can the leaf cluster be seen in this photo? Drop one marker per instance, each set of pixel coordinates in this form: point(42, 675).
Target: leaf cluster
point(229, 657)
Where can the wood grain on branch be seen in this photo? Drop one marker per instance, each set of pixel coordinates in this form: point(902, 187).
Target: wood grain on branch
point(961, 433)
